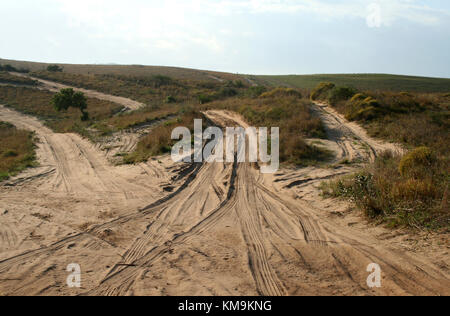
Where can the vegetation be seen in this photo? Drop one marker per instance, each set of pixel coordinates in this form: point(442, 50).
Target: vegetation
point(68, 98)
point(159, 141)
point(402, 191)
point(282, 108)
point(55, 68)
point(10, 68)
point(285, 109)
point(373, 82)
point(39, 103)
point(7, 78)
point(17, 150)
point(409, 192)
point(282, 92)
point(151, 90)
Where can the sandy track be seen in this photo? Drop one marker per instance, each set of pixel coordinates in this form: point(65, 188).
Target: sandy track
point(56, 87)
point(225, 229)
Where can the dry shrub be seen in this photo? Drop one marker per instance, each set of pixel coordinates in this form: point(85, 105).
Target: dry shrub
point(409, 191)
point(17, 150)
point(322, 90)
point(416, 162)
point(159, 141)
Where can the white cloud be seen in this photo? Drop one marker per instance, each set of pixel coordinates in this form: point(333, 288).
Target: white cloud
point(174, 24)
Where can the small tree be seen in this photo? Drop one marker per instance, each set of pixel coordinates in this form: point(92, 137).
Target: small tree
point(54, 68)
point(68, 98)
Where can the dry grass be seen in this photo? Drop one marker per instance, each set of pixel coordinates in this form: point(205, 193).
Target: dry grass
point(17, 150)
point(129, 70)
point(38, 103)
point(7, 78)
point(386, 193)
point(159, 141)
point(152, 90)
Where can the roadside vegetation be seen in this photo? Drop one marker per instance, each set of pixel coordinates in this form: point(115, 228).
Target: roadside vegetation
point(17, 150)
point(8, 67)
point(159, 142)
point(7, 78)
point(407, 191)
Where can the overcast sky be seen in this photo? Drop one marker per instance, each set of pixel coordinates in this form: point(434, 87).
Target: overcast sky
point(246, 36)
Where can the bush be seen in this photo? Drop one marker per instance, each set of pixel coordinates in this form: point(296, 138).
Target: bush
point(227, 92)
point(321, 91)
point(7, 68)
point(54, 68)
point(281, 93)
point(254, 92)
point(10, 153)
point(338, 94)
point(16, 150)
point(414, 163)
point(205, 98)
point(390, 190)
point(171, 99)
point(362, 108)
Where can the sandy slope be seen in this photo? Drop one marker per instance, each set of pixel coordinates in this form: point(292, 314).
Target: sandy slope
point(199, 229)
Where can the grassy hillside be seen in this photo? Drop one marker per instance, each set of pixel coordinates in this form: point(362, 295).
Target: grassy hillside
point(371, 82)
point(127, 70)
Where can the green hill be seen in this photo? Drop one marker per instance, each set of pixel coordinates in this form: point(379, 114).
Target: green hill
point(382, 82)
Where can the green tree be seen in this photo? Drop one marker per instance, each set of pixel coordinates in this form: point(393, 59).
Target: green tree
point(68, 98)
point(54, 68)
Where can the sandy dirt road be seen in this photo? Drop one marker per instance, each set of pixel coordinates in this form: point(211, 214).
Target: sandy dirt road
point(56, 87)
point(199, 229)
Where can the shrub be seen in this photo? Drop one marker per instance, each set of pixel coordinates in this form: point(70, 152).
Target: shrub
point(10, 153)
point(254, 92)
point(321, 91)
point(7, 68)
point(205, 98)
point(54, 68)
point(362, 108)
point(392, 195)
point(338, 94)
point(16, 150)
point(416, 161)
point(227, 92)
point(281, 92)
point(171, 99)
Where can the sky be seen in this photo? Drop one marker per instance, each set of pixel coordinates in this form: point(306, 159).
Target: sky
point(410, 37)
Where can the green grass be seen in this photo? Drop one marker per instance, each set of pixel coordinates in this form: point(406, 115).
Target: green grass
point(382, 82)
point(17, 150)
